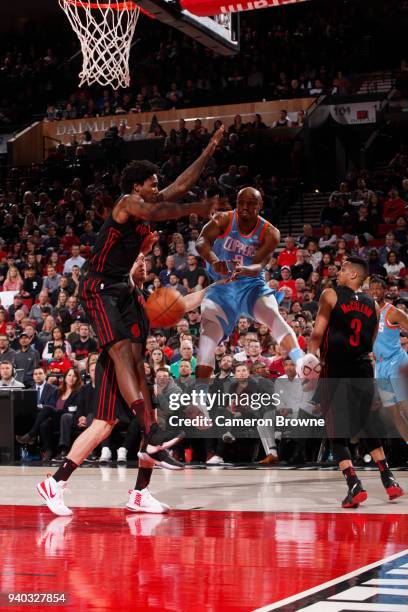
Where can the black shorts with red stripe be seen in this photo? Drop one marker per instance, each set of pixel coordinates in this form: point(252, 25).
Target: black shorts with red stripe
point(114, 311)
point(108, 403)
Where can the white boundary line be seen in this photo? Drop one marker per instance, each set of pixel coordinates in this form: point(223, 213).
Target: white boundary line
point(325, 585)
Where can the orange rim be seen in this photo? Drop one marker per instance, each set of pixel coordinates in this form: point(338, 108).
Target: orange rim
point(117, 6)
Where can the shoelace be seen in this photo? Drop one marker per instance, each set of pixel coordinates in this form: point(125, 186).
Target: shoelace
point(133, 494)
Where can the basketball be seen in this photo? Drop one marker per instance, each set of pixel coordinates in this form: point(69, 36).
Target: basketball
point(165, 307)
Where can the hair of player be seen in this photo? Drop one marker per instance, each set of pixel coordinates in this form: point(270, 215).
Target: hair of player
point(377, 280)
point(137, 172)
point(359, 263)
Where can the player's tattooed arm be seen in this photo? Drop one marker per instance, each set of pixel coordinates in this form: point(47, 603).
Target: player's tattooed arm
point(262, 256)
point(189, 177)
point(327, 302)
point(135, 206)
point(209, 234)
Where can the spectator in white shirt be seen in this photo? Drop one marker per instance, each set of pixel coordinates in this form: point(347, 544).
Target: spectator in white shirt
point(51, 281)
point(74, 260)
point(7, 378)
point(313, 255)
point(328, 239)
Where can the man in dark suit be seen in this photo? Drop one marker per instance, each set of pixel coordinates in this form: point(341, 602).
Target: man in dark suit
point(44, 423)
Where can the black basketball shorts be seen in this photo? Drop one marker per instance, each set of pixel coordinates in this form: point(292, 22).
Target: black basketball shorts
point(346, 396)
point(114, 311)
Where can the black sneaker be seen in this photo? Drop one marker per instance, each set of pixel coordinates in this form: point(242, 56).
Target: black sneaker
point(92, 458)
point(391, 486)
point(163, 459)
point(26, 439)
point(60, 458)
point(355, 496)
point(162, 439)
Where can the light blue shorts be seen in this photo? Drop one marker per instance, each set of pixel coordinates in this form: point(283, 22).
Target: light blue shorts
point(237, 299)
point(391, 385)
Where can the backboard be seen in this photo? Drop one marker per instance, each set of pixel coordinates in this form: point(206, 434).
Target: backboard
point(218, 32)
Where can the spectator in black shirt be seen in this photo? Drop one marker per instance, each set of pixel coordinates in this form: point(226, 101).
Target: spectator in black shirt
point(375, 267)
point(52, 241)
point(363, 224)
point(194, 278)
point(32, 283)
point(83, 347)
point(65, 286)
point(301, 269)
point(16, 305)
point(88, 238)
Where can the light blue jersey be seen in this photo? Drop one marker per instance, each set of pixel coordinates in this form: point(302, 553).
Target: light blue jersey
point(389, 358)
point(237, 298)
point(233, 245)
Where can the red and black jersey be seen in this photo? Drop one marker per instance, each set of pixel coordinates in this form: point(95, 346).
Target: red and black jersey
point(82, 349)
point(349, 334)
point(116, 248)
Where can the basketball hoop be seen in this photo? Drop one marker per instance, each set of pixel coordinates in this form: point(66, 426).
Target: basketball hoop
point(105, 30)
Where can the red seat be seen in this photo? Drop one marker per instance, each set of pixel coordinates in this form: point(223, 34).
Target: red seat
point(28, 302)
point(384, 228)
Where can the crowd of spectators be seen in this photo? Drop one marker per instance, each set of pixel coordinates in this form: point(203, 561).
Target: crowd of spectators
point(285, 53)
point(48, 225)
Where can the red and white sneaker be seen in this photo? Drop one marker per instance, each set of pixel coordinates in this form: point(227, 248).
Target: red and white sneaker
point(143, 501)
point(52, 492)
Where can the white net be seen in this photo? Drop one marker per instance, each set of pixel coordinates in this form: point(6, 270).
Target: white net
point(105, 30)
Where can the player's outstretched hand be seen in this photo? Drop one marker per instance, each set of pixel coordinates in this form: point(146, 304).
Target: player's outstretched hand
point(215, 140)
point(148, 242)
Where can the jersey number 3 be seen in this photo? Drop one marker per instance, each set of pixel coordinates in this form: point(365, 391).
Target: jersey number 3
point(356, 326)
